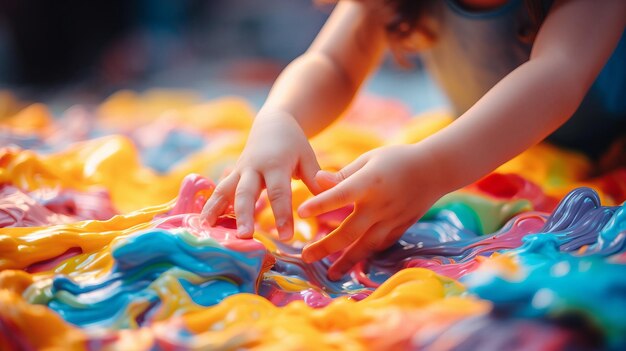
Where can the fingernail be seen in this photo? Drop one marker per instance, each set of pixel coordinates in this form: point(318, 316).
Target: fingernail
point(303, 212)
point(284, 234)
point(306, 257)
point(242, 230)
point(283, 230)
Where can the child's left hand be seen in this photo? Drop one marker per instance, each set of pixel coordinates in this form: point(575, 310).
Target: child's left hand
point(391, 187)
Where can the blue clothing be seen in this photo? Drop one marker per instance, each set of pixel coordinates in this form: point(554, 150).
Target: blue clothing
point(476, 49)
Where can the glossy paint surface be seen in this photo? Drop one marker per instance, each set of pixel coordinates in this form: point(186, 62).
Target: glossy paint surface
point(102, 246)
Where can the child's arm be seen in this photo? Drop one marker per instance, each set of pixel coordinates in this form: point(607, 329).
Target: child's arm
point(309, 94)
point(392, 186)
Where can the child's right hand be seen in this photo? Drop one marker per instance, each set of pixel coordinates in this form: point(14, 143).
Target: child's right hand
point(276, 150)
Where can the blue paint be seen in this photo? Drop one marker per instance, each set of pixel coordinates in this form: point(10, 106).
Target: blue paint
point(208, 272)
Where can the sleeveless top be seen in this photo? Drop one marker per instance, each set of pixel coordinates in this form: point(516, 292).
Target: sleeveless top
point(476, 49)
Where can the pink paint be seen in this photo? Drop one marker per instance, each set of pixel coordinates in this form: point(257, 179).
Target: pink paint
point(513, 187)
point(450, 270)
point(18, 209)
point(529, 222)
point(194, 192)
point(52, 263)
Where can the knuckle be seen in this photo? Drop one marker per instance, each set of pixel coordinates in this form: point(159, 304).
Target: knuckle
point(271, 163)
point(343, 195)
point(276, 193)
point(341, 175)
point(377, 179)
point(241, 192)
point(374, 178)
point(388, 205)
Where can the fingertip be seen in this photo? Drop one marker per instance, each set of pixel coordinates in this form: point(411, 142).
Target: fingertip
point(307, 256)
point(211, 220)
point(285, 232)
point(303, 212)
point(313, 206)
point(244, 230)
point(213, 215)
point(314, 252)
point(205, 215)
point(325, 179)
point(212, 209)
point(334, 275)
point(339, 268)
point(304, 209)
point(284, 236)
point(244, 236)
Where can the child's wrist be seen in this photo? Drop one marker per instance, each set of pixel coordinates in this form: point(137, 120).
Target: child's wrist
point(443, 170)
point(272, 113)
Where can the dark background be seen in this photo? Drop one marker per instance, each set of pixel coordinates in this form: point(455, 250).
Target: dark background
point(70, 51)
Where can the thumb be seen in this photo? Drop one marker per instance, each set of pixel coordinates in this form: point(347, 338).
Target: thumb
point(327, 180)
point(307, 170)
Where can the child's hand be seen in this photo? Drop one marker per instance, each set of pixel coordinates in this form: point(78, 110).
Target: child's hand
point(276, 150)
point(391, 187)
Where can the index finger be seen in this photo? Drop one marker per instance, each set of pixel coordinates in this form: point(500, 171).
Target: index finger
point(359, 250)
point(220, 198)
point(347, 233)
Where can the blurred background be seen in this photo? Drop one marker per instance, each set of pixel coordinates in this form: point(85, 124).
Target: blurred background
point(74, 51)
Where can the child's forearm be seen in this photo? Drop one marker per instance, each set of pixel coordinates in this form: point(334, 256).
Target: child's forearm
point(524, 108)
point(531, 102)
point(318, 86)
point(313, 90)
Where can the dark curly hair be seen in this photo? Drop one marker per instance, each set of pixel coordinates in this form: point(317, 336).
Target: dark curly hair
point(407, 15)
point(403, 19)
